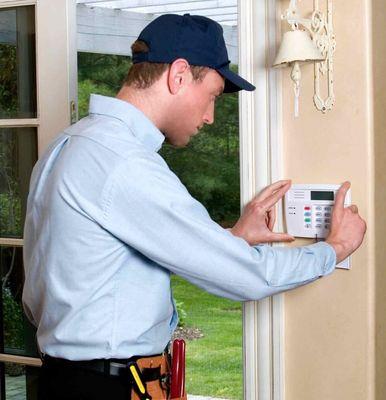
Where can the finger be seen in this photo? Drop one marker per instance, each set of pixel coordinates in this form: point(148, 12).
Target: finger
point(280, 237)
point(271, 189)
point(272, 218)
point(341, 194)
point(353, 208)
point(275, 197)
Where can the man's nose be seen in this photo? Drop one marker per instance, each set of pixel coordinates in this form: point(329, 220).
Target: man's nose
point(209, 116)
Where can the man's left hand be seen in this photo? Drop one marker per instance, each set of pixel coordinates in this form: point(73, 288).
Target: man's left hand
point(258, 218)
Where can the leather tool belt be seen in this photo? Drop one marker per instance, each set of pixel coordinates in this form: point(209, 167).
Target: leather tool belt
point(154, 372)
point(157, 385)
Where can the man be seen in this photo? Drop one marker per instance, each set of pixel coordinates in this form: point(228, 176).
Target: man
point(107, 221)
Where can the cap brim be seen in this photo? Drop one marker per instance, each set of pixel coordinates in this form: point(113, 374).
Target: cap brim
point(234, 82)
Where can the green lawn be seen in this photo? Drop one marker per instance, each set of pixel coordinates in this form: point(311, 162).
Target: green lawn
point(214, 362)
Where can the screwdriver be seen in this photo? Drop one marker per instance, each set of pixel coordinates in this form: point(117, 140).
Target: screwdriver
point(138, 380)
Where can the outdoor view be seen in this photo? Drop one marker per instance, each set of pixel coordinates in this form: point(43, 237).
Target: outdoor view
point(209, 167)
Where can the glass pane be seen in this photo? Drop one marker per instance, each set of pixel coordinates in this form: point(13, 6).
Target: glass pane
point(17, 63)
point(18, 154)
point(209, 167)
point(20, 382)
point(18, 334)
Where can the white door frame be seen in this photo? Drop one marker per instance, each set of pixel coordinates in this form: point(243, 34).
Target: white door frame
point(260, 164)
point(55, 87)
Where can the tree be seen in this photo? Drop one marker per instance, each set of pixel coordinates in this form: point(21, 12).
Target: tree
point(209, 166)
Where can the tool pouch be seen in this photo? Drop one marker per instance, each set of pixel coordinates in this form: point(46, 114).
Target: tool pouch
point(156, 374)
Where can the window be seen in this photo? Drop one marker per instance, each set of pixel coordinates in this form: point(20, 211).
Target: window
point(18, 154)
point(209, 167)
point(34, 107)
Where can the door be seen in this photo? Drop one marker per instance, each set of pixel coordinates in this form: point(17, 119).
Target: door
point(35, 104)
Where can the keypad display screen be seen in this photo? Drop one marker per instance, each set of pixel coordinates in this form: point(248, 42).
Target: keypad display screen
point(319, 195)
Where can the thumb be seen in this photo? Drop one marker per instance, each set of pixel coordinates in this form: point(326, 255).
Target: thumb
point(280, 237)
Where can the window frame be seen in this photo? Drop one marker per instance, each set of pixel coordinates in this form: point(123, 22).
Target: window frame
point(58, 94)
point(260, 164)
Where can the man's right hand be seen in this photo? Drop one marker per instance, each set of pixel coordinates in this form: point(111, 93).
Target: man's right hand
point(347, 227)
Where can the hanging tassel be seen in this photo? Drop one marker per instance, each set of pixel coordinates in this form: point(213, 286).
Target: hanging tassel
point(297, 95)
point(295, 76)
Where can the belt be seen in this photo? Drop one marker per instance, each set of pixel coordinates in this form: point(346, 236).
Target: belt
point(113, 367)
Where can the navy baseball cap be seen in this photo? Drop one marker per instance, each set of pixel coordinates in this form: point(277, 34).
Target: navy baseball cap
point(197, 39)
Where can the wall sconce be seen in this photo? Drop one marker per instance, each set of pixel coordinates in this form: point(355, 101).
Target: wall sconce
point(314, 44)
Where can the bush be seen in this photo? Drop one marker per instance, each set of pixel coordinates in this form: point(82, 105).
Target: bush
point(12, 321)
point(181, 314)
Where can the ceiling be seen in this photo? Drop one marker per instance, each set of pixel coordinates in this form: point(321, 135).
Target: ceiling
point(224, 11)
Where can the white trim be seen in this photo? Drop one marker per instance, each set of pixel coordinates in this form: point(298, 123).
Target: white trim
point(276, 152)
point(15, 3)
point(56, 40)
point(11, 242)
point(33, 362)
point(260, 159)
point(17, 123)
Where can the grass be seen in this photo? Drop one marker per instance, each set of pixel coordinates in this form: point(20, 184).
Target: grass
point(214, 362)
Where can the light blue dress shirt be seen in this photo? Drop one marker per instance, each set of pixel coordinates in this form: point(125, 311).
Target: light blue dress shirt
point(108, 222)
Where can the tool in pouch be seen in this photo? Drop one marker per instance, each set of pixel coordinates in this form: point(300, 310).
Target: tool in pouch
point(137, 381)
point(177, 385)
point(155, 378)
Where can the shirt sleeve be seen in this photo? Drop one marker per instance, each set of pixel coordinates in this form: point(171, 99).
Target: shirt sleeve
point(148, 208)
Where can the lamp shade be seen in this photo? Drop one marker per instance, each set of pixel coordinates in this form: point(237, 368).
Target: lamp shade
point(297, 46)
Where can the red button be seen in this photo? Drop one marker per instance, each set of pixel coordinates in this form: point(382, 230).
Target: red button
point(307, 208)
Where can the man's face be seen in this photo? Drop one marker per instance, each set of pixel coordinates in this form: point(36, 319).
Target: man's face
point(193, 108)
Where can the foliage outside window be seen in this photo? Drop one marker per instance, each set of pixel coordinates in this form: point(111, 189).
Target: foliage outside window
point(209, 167)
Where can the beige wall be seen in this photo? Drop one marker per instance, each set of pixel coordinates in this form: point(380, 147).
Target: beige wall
point(330, 325)
point(379, 73)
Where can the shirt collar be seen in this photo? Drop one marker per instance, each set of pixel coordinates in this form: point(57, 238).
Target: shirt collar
point(135, 119)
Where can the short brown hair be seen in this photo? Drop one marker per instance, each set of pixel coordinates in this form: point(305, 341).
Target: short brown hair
point(144, 74)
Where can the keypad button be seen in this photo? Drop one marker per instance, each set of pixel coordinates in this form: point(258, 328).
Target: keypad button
point(307, 219)
point(307, 225)
point(327, 208)
point(318, 220)
point(327, 215)
point(327, 226)
point(327, 220)
point(318, 225)
point(307, 208)
point(318, 214)
point(307, 214)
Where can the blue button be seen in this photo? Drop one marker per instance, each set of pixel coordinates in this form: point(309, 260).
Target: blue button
point(307, 214)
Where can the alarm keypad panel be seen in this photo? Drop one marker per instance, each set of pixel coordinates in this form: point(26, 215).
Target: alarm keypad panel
point(308, 211)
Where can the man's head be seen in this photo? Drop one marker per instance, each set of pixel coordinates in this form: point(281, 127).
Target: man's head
point(183, 61)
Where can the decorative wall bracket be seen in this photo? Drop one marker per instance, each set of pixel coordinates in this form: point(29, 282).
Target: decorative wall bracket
point(320, 27)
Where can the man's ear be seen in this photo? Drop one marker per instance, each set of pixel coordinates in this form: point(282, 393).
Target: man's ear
point(179, 75)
